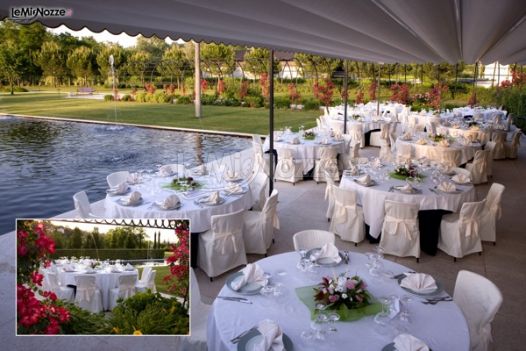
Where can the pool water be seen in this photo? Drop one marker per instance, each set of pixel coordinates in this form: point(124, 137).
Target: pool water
point(43, 163)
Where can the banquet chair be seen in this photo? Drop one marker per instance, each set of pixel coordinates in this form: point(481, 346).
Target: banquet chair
point(124, 290)
point(404, 151)
point(491, 213)
point(62, 292)
point(199, 311)
point(400, 231)
point(459, 170)
point(478, 168)
point(82, 205)
point(326, 162)
point(460, 232)
point(479, 300)
point(88, 295)
point(117, 178)
point(490, 148)
point(329, 195)
point(356, 132)
point(377, 138)
point(347, 217)
point(222, 247)
point(258, 188)
point(499, 137)
point(256, 139)
point(145, 273)
point(512, 148)
point(149, 283)
point(385, 152)
point(258, 226)
point(312, 239)
point(261, 160)
point(288, 169)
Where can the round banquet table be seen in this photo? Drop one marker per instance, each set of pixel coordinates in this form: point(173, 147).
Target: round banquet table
point(368, 124)
point(372, 198)
point(441, 326)
point(307, 150)
point(455, 153)
point(199, 214)
point(481, 134)
point(105, 282)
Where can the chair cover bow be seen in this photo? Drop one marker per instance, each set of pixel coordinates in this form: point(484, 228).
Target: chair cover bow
point(404, 223)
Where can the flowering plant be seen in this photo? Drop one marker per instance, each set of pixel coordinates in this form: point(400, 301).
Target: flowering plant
point(355, 117)
point(438, 137)
point(179, 261)
point(309, 135)
point(341, 291)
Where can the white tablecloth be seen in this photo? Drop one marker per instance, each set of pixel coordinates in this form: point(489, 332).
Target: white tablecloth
point(373, 198)
point(199, 216)
point(105, 282)
point(455, 153)
point(368, 125)
point(307, 151)
point(441, 326)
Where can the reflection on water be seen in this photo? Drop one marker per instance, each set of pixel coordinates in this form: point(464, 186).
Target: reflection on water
point(43, 163)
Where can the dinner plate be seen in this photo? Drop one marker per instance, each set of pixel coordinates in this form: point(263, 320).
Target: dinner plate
point(438, 289)
point(371, 183)
point(159, 204)
point(457, 191)
point(123, 202)
point(243, 191)
point(325, 262)
point(94, 272)
point(250, 340)
point(113, 193)
point(247, 289)
point(413, 191)
point(204, 201)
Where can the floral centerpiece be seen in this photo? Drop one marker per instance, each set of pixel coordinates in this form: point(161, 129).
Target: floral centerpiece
point(184, 183)
point(437, 138)
point(402, 172)
point(341, 291)
point(355, 117)
point(309, 135)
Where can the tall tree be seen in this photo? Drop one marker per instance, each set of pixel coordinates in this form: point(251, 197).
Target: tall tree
point(119, 60)
point(316, 66)
point(51, 60)
point(80, 62)
point(256, 61)
point(218, 59)
point(175, 64)
point(154, 46)
point(10, 63)
point(139, 63)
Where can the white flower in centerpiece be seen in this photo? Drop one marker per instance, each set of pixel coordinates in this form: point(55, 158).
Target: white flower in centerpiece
point(344, 296)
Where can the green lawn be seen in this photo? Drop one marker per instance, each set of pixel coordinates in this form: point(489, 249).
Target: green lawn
point(230, 119)
point(162, 271)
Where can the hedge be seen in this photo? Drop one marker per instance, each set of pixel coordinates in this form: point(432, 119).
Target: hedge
point(111, 254)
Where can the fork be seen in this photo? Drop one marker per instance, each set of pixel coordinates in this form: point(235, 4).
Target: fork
point(240, 336)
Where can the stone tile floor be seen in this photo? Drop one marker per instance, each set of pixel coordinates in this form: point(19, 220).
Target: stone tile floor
point(302, 207)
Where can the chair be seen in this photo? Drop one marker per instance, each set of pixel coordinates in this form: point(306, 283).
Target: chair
point(404, 151)
point(222, 248)
point(490, 148)
point(256, 139)
point(312, 239)
point(261, 160)
point(149, 283)
point(492, 212)
point(82, 205)
point(258, 188)
point(258, 230)
point(478, 168)
point(329, 195)
point(88, 295)
point(356, 133)
point(479, 299)
point(145, 273)
point(512, 149)
point(377, 138)
point(460, 232)
point(400, 231)
point(347, 217)
point(199, 311)
point(463, 171)
point(326, 162)
point(288, 169)
point(117, 178)
point(62, 292)
point(499, 137)
point(124, 290)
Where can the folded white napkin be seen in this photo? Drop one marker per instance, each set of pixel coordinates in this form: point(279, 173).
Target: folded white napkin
point(272, 339)
point(214, 198)
point(366, 179)
point(408, 188)
point(252, 273)
point(461, 178)
point(133, 199)
point(120, 188)
point(134, 178)
point(419, 282)
point(443, 142)
point(295, 140)
point(421, 141)
point(166, 171)
point(447, 187)
point(234, 188)
point(170, 202)
point(407, 342)
point(128, 267)
point(329, 251)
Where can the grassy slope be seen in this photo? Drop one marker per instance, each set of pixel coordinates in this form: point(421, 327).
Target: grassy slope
point(234, 119)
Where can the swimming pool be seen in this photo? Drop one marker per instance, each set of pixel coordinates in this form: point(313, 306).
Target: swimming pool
point(43, 163)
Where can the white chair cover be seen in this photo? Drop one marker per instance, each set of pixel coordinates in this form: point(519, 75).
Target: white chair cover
point(148, 284)
point(258, 188)
point(88, 295)
point(490, 148)
point(329, 194)
point(347, 217)
point(256, 139)
point(258, 229)
point(222, 248)
point(459, 233)
point(124, 290)
point(145, 273)
point(492, 212)
point(499, 137)
point(117, 178)
point(62, 292)
point(261, 160)
point(356, 133)
point(479, 299)
point(478, 168)
point(82, 205)
point(288, 169)
point(312, 239)
point(377, 138)
point(326, 162)
point(400, 231)
point(513, 148)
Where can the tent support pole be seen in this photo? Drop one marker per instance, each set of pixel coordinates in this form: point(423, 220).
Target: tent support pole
point(197, 79)
point(271, 120)
point(378, 91)
point(345, 97)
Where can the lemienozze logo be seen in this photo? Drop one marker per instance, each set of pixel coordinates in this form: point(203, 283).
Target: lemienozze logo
point(29, 14)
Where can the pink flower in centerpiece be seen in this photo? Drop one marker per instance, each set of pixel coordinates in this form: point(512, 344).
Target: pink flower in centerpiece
point(350, 284)
point(334, 298)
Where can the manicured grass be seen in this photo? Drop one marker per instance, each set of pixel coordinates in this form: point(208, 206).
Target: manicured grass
point(161, 272)
point(222, 118)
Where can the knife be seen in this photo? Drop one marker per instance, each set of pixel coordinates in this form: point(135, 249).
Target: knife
point(237, 299)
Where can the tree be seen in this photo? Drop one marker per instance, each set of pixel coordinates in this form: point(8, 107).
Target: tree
point(10, 63)
point(80, 62)
point(256, 61)
point(174, 63)
point(119, 59)
point(321, 67)
point(218, 59)
point(138, 63)
point(153, 46)
point(52, 61)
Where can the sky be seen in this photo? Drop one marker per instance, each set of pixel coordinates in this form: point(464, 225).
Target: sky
point(123, 39)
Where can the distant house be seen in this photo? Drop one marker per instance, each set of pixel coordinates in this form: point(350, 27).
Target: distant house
point(288, 68)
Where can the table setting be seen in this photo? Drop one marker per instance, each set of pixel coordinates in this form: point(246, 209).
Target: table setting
point(307, 304)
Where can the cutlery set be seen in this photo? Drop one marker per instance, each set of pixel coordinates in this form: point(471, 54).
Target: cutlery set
point(240, 336)
point(437, 300)
point(236, 299)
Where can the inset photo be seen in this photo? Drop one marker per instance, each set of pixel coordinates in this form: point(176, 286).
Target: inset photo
point(103, 276)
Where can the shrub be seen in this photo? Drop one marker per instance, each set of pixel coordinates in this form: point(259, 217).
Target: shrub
point(184, 100)
point(84, 322)
point(281, 102)
point(140, 97)
point(161, 97)
point(108, 97)
point(111, 254)
point(311, 104)
point(254, 101)
point(458, 88)
point(208, 99)
point(15, 89)
point(127, 97)
point(231, 102)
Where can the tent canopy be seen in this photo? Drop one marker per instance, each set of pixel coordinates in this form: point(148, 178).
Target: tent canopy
point(405, 31)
